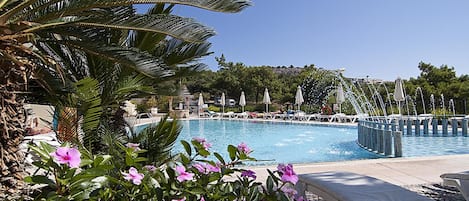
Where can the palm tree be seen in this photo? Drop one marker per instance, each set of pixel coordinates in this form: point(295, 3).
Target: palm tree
point(32, 31)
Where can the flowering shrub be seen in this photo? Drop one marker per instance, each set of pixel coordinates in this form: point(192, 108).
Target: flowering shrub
point(76, 174)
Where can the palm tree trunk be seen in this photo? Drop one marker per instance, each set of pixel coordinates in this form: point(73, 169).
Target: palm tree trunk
point(13, 84)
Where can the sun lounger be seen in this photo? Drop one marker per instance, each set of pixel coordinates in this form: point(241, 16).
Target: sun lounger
point(314, 117)
point(228, 114)
point(458, 180)
point(347, 186)
point(300, 115)
point(243, 115)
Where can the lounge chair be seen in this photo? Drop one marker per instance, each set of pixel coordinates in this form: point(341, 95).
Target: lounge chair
point(458, 180)
point(300, 115)
point(243, 115)
point(209, 114)
point(347, 186)
point(229, 114)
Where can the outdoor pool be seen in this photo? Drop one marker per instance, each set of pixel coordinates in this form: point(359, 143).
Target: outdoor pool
point(278, 142)
point(284, 142)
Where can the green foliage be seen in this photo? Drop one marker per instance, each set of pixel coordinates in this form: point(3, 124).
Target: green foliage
point(193, 177)
point(214, 108)
point(158, 140)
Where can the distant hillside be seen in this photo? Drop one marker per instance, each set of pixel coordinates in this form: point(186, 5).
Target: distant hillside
point(281, 70)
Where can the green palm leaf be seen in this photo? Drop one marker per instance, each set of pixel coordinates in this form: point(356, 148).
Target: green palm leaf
point(159, 140)
point(50, 9)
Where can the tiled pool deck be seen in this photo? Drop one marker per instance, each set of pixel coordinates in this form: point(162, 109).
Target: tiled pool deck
point(399, 171)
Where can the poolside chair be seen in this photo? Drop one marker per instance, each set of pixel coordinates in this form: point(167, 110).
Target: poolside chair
point(314, 117)
point(347, 186)
point(229, 114)
point(458, 180)
point(243, 115)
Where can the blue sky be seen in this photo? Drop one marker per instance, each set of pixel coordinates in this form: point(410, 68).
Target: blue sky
point(380, 39)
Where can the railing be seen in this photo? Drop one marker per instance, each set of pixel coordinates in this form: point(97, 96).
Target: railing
point(379, 138)
point(383, 135)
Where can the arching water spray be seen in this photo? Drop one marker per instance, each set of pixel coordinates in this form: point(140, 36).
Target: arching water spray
point(421, 96)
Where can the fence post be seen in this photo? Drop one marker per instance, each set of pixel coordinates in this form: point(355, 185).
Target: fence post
point(444, 123)
point(409, 127)
point(417, 127)
point(398, 144)
point(381, 141)
point(401, 125)
point(435, 127)
point(425, 127)
point(464, 127)
point(454, 126)
point(388, 143)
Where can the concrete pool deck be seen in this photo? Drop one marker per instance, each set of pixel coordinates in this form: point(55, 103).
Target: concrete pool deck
point(398, 171)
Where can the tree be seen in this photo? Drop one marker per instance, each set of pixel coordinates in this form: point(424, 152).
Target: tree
point(33, 32)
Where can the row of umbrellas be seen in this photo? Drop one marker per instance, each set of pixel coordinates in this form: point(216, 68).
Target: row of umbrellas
point(340, 98)
point(266, 100)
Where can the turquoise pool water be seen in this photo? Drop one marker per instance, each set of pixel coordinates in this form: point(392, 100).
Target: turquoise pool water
point(279, 142)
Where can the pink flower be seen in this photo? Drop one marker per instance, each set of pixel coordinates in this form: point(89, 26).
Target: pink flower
point(182, 199)
point(248, 173)
point(200, 167)
point(150, 168)
point(290, 192)
point(202, 199)
point(243, 148)
point(183, 175)
point(134, 146)
point(69, 156)
point(212, 168)
point(203, 142)
point(134, 176)
point(206, 168)
point(288, 175)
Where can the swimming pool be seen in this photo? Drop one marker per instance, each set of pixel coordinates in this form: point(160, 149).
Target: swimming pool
point(278, 142)
point(284, 142)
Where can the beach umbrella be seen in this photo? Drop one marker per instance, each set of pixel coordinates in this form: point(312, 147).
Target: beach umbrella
point(340, 97)
point(242, 100)
point(266, 100)
point(223, 102)
point(399, 93)
point(201, 102)
point(299, 98)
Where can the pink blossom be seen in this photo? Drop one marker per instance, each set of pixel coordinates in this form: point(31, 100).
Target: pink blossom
point(300, 198)
point(290, 192)
point(150, 168)
point(134, 146)
point(243, 148)
point(288, 175)
point(200, 167)
point(182, 199)
point(69, 156)
point(206, 168)
point(203, 142)
point(202, 199)
point(248, 173)
point(213, 168)
point(183, 175)
point(134, 176)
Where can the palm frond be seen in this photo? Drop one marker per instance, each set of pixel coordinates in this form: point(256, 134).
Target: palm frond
point(55, 9)
point(88, 92)
point(186, 29)
point(159, 140)
point(131, 57)
point(180, 52)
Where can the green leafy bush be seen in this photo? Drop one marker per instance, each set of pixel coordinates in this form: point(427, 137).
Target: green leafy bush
point(76, 174)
